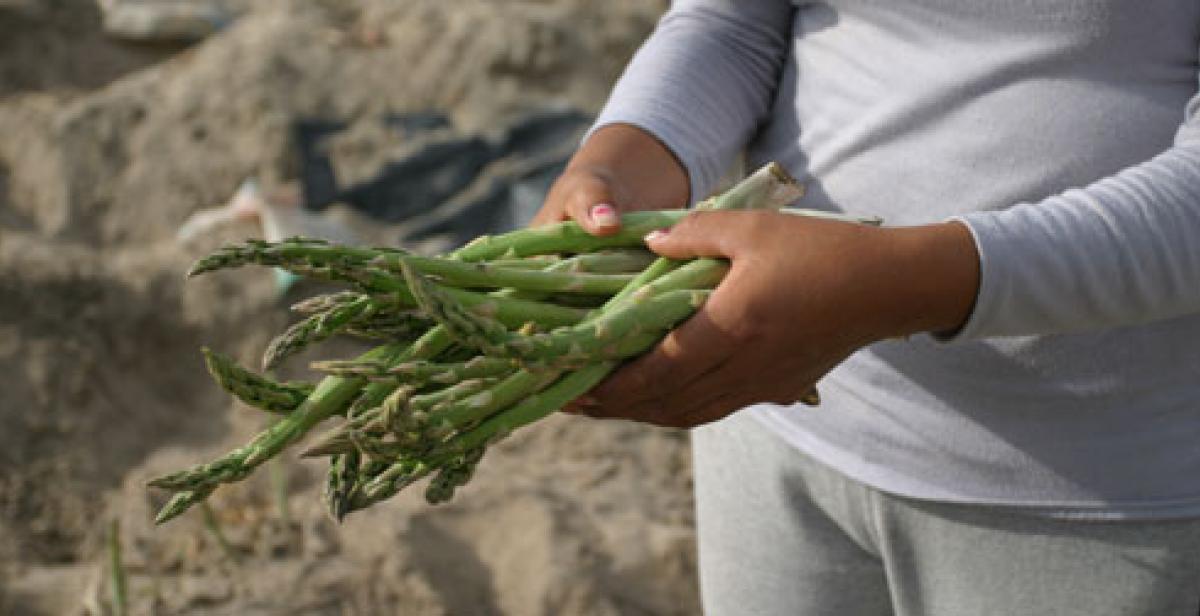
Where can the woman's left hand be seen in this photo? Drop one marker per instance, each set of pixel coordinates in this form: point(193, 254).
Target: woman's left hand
point(801, 295)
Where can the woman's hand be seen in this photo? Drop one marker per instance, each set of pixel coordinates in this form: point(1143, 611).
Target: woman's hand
point(801, 295)
point(620, 168)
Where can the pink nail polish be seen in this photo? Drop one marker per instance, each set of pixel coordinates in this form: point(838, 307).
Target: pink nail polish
point(603, 214)
point(655, 235)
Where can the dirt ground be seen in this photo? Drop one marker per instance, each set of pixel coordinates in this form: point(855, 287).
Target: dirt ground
point(105, 148)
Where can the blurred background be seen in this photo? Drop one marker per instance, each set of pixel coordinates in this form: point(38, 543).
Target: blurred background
point(136, 136)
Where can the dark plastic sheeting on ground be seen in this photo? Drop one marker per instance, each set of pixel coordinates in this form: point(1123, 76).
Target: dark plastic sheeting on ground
point(454, 186)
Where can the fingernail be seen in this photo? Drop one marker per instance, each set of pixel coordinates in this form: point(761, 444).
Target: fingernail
point(603, 214)
point(655, 235)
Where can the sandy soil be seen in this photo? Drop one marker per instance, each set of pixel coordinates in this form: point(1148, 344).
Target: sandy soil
point(104, 150)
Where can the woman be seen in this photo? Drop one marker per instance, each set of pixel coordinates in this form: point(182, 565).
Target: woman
point(1010, 373)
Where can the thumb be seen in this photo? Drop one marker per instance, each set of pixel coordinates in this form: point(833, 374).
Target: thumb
point(591, 202)
point(699, 234)
point(585, 196)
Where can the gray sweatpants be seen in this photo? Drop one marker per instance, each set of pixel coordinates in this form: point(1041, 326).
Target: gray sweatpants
point(781, 534)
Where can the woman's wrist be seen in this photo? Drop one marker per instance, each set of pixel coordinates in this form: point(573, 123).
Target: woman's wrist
point(936, 278)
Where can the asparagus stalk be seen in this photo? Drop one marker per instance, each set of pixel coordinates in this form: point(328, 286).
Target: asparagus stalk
point(453, 476)
point(427, 347)
point(528, 410)
point(566, 237)
point(323, 303)
point(464, 412)
point(448, 408)
point(480, 411)
point(337, 441)
point(621, 261)
point(314, 329)
point(458, 273)
point(588, 340)
point(387, 483)
point(118, 585)
point(299, 256)
point(418, 372)
point(387, 332)
point(340, 483)
point(769, 187)
point(594, 339)
point(445, 431)
point(181, 502)
point(253, 389)
point(533, 407)
point(536, 262)
point(390, 325)
point(366, 267)
point(329, 398)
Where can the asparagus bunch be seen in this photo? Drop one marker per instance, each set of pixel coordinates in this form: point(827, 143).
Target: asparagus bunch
point(477, 343)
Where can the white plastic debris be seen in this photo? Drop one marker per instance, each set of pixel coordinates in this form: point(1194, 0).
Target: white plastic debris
point(159, 21)
point(278, 221)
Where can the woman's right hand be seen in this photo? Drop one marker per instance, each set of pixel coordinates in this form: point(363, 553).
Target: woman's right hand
point(620, 168)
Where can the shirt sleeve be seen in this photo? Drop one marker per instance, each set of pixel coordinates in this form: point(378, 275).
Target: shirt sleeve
point(704, 81)
point(1122, 251)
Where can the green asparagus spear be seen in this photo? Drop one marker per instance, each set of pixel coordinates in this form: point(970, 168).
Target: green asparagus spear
point(469, 428)
point(253, 389)
point(322, 303)
point(452, 476)
point(406, 471)
point(314, 329)
point(329, 398)
point(618, 261)
point(528, 410)
point(458, 273)
point(566, 237)
point(418, 372)
point(295, 255)
point(368, 267)
point(382, 418)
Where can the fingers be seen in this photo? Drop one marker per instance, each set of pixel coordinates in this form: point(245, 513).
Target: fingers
point(718, 393)
point(659, 406)
point(703, 234)
point(713, 409)
point(715, 396)
point(684, 356)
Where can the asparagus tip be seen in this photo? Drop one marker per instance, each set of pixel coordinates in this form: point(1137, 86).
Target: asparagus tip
point(213, 360)
point(181, 502)
point(166, 482)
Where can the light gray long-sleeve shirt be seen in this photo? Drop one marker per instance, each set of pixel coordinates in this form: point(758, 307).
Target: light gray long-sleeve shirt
point(1064, 134)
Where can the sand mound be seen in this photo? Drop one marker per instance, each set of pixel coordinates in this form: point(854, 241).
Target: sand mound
point(106, 149)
